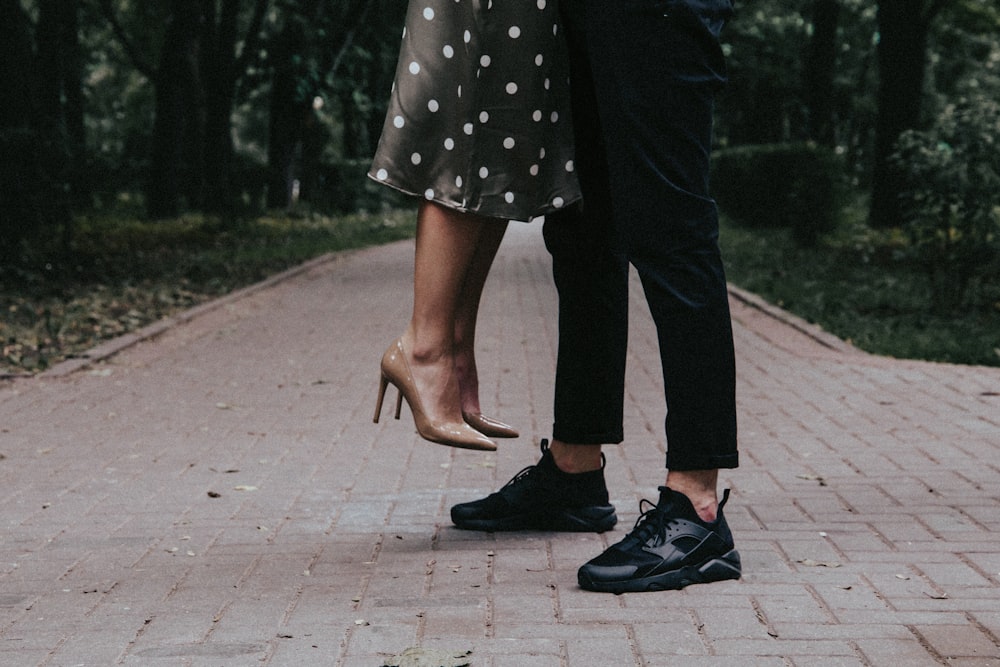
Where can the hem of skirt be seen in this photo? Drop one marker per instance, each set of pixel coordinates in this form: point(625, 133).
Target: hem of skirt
point(539, 212)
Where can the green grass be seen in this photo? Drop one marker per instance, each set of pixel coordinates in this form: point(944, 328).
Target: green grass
point(855, 285)
point(121, 274)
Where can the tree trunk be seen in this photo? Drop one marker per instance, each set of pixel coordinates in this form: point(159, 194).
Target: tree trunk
point(902, 55)
point(176, 128)
point(819, 71)
point(33, 184)
point(17, 168)
point(289, 107)
point(76, 134)
point(16, 56)
point(218, 66)
point(288, 114)
point(59, 119)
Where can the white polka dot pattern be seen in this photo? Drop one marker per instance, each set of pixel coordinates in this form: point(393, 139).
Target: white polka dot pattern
point(478, 114)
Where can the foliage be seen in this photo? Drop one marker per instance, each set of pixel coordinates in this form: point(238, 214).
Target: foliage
point(33, 204)
point(951, 199)
point(310, 91)
point(762, 102)
point(856, 285)
point(780, 185)
point(126, 273)
point(765, 100)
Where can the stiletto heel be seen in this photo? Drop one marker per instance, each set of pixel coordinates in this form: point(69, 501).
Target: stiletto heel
point(396, 370)
point(382, 383)
point(489, 426)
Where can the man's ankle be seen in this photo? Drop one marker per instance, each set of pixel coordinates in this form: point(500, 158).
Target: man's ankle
point(575, 459)
point(700, 487)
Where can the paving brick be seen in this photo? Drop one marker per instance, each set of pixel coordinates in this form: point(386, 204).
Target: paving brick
point(655, 636)
point(889, 651)
point(337, 548)
point(958, 641)
point(783, 647)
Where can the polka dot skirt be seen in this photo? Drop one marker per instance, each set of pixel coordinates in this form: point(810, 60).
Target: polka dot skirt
point(479, 117)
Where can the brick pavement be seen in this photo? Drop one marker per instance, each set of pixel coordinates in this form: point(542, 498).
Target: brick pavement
point(218, 495)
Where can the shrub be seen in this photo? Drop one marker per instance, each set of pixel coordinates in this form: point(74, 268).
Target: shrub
point(951, 199)
point(343, 186)
point(34, 211)
point(795, 186)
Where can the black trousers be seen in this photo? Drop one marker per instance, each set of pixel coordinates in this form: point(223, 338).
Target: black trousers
point(644, 76)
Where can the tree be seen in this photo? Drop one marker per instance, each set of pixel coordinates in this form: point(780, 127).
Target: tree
point(179, 122)
point(763, 101)
point(820, 68)
point(222, 65)
point(16, 164)
point(202, 59)
point(307, 56)
point(904, 27)
point(294, 84)
point(39, 81)
point(59, 76)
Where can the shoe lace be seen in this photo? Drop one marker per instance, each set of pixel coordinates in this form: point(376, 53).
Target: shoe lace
point(526, 472)
point(652, 523)
point(520, 477)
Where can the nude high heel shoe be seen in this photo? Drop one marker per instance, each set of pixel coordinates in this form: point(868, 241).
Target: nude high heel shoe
point(489, 426)
point(396, 370)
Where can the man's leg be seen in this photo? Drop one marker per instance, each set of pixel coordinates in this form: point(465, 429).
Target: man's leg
point(657, 66)
point(566, 489)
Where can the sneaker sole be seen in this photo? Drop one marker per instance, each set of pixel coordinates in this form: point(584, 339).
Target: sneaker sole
point(596, 519)
point(714, 569)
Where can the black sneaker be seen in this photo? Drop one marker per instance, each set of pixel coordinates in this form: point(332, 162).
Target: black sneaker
point(542, 497)
point(669, 548)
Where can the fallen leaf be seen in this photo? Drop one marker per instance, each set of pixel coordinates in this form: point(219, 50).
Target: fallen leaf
point(214, 494)
point(244, 487)
point(809, 562)
point(427, 657)
point(813, 478)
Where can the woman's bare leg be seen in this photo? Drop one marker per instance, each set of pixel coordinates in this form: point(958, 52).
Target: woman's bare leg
point(468, 312)
point(447, 243)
